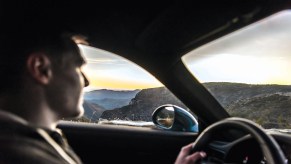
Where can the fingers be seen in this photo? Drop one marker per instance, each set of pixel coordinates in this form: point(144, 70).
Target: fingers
point(196, 156)
point(185, 157)
point(186, 149)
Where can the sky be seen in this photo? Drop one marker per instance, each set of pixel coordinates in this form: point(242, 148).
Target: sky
point(257, 54)
point(109, 71)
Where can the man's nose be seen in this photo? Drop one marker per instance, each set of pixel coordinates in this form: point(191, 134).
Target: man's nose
point(86, 81)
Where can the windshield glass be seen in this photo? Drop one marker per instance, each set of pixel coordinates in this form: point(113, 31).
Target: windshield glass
point(120, 91)
point(249, 71)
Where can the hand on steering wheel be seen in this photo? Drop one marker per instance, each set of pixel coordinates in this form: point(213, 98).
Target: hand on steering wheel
point(270, 148)
point(185, 157)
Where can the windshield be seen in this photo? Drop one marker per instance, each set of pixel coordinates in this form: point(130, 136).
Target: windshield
point(249, 71)
point(120, 91)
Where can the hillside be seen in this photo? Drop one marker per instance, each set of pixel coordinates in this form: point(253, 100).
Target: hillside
point(92, 111)
point(270, 111)
point(227, 93)
point(109, 99)
point(268, 105)
point(142, 106)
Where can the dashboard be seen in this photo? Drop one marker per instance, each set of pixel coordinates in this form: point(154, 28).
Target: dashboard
point(244, 150)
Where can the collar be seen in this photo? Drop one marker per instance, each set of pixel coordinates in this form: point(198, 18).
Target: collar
point(8, 116)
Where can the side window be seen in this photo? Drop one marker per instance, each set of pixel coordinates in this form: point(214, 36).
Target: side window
point(249, 71)
point(120, 92)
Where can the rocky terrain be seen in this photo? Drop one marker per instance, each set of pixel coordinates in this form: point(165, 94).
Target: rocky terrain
point(268, 105)
point(142, 106)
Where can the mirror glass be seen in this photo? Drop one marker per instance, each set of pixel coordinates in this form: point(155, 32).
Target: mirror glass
point(165, 117)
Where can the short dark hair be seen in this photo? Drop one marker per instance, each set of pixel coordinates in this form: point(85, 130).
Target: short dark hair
point(18, 40)
point(28, 26)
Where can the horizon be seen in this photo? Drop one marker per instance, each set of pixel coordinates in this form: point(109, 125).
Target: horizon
point(98, 89)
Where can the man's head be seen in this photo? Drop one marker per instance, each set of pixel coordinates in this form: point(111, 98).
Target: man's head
point(46, 61)
point(66, 80)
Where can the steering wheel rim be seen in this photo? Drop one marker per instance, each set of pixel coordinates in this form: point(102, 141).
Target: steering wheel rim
point(269, 146)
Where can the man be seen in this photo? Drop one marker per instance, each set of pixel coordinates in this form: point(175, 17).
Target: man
point(41, 83)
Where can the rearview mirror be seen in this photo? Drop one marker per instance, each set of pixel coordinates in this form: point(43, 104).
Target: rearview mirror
point(172, 117)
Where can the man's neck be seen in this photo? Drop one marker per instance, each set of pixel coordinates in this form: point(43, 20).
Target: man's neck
point(36, 114)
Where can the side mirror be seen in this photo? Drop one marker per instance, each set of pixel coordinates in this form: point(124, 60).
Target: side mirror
point(171, 117)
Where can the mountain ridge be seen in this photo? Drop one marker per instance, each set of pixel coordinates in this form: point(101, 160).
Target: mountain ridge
point(269, 105)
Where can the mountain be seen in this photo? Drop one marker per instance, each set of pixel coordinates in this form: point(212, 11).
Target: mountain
point(227, 93)
point(268, 105)
point(270, 111)
point(109, 99)
point(92, 111)
point(113, 94)
point(142, 106)
point(108, 103)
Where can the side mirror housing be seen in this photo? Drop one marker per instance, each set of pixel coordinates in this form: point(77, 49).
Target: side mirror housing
point(172, 117)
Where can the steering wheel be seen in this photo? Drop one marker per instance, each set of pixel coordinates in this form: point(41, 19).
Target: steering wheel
point(270, 148)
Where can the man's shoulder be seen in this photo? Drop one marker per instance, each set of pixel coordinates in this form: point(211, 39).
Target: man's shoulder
point(23, 150)
point(21, 144)
point(12, 132)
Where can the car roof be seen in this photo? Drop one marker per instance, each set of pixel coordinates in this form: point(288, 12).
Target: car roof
point(155, 34)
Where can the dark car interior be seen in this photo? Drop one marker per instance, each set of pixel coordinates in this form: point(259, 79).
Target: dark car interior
point(155, 35)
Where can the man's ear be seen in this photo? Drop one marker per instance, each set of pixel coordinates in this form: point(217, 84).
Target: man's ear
point(39, 67)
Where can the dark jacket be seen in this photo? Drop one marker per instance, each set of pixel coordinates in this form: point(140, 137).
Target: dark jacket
point(20, 143)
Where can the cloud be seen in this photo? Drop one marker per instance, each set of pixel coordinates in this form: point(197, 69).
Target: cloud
point(100, 60)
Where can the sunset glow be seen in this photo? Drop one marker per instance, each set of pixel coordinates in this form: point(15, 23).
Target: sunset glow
point(109, 71)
